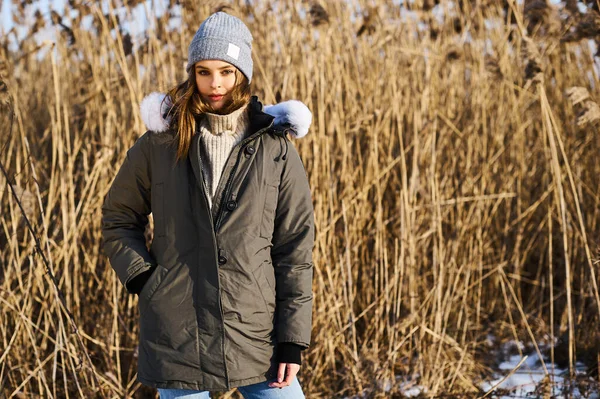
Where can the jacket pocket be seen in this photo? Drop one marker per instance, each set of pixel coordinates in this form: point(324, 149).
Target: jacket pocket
point(266, 289)
point(270, 206)
point(151, 286)
point(269, 273)
point(157, 205)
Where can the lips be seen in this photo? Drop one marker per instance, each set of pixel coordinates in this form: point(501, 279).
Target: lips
point(216, 97)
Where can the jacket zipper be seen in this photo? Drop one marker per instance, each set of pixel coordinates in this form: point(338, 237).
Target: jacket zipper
point(214, 233)
point(216, 251)
point(227, 190)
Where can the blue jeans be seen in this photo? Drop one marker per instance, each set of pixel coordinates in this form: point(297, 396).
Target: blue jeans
point(262, 390)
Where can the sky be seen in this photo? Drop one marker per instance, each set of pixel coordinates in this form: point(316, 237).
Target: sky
point(136, 29)
point(5, 13)
point(139, 14)
point(44, 5)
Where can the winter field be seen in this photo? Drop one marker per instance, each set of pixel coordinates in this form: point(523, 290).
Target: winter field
point(454, 160)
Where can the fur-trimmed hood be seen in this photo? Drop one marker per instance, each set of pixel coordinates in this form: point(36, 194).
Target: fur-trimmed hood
point(154, 108)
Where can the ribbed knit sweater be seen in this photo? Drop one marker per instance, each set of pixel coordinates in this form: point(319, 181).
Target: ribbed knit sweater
point(218, 135)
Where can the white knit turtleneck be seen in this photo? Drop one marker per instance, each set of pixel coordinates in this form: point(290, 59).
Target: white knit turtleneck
point(218, 135)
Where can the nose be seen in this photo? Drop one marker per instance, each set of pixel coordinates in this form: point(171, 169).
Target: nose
point(216, 81)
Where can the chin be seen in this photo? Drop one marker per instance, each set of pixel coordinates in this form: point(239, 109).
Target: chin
point(218, 108)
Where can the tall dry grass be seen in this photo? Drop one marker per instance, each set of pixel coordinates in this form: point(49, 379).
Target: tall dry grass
point(453, 163)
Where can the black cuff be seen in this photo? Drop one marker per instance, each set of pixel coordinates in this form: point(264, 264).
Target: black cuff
point(289, 352)
point(135, 286)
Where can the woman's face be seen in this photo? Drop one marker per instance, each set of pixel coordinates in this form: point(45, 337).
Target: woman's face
point(215, 79)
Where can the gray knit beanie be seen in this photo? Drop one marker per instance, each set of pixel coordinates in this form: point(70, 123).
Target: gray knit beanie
point(222, 37)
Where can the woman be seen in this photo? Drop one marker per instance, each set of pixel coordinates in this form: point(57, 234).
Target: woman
point(225, 290)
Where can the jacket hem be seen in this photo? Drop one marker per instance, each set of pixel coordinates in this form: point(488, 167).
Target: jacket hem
point(175, 384)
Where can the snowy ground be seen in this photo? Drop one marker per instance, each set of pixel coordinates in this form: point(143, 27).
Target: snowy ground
point(526, 377)
point(516, 376)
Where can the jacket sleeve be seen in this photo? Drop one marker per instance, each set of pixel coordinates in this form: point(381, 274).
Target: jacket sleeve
point(293, 241)
point(125, 215)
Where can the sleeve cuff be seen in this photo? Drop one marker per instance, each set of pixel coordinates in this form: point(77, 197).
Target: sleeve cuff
point(289, 352)
point(137, 283)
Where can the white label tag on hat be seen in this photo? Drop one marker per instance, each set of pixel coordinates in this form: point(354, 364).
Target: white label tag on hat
point(233, 51)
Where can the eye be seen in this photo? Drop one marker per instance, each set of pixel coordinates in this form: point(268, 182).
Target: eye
point(228, 71)
point(202, 72)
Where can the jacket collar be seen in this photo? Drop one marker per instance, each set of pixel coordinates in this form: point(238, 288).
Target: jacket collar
point(258, 118)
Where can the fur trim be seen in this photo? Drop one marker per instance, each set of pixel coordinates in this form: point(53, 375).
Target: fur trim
point(293, 112)
point(154, 108)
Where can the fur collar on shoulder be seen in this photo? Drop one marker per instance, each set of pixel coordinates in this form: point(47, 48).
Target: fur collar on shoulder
point(293, 112)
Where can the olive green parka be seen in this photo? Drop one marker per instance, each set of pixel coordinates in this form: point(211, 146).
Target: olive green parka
point(229, 283)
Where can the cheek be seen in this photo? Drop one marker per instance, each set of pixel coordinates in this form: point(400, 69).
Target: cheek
point(199, 83)
point(230, 82)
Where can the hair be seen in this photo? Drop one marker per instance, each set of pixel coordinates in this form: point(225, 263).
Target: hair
point(188, 105)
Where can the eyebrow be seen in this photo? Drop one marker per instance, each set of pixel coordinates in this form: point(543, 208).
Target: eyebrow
point(201, 67)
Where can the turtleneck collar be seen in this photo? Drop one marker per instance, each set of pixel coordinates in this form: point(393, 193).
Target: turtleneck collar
point(230, 123)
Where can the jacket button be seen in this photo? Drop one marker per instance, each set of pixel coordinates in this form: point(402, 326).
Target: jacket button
point(222, 260)
point(231, 205)
point(250, 150)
